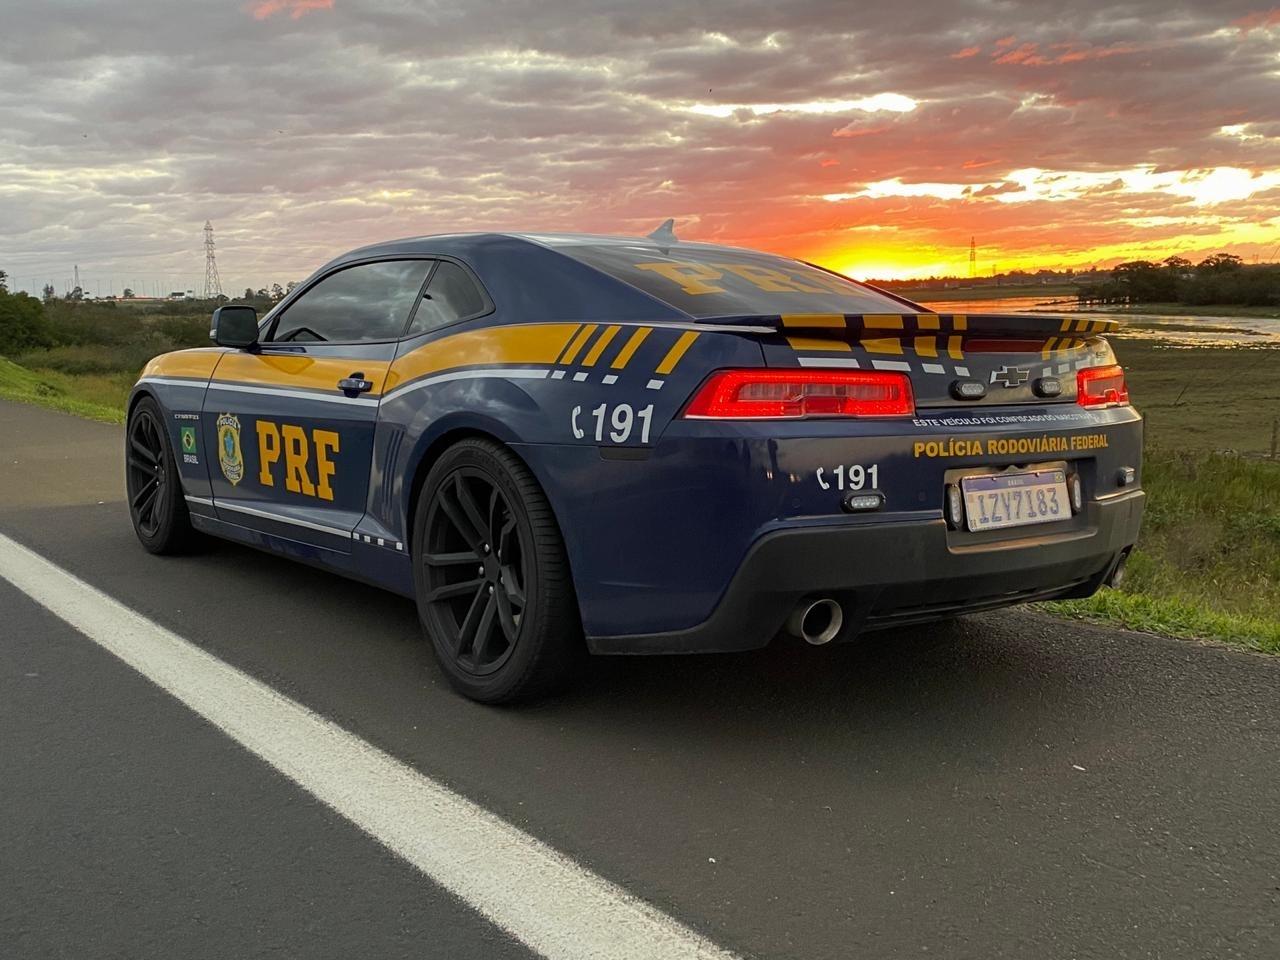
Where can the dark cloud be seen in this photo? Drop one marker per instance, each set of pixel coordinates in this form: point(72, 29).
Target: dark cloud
point(304, 128)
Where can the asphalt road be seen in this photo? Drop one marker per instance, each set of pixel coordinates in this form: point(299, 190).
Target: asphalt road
point(1003, 786)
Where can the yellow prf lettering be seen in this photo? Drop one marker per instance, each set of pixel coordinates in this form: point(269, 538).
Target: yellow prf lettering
point(326, 442)
point(289, 446)
point(268, 451)
point(692, 277)
point(295, 461)
point(770, 281)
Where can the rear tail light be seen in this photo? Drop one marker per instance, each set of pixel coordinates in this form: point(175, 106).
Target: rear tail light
point(1101, 387)
point(792, 394)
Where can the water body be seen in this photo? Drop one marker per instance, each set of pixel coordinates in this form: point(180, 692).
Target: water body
point(1174, 330)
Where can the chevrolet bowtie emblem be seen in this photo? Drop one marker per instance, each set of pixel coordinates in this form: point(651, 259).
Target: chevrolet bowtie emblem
point(1011, 376)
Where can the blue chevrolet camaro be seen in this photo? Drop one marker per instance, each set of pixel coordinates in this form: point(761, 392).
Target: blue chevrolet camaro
point(565, 443)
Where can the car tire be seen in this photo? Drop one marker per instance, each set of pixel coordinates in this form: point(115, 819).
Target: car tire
point(153, 487)
point(494, 592)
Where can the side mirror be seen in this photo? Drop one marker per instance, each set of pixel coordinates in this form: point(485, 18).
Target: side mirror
point(235, 326)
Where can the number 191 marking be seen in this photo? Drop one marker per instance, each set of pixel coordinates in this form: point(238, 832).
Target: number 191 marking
point(621, 422)
point(855, 477)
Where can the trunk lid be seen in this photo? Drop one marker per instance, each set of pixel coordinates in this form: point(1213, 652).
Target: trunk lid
point(1015, 359)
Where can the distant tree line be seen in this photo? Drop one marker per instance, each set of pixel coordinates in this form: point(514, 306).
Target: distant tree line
point(1222, 278)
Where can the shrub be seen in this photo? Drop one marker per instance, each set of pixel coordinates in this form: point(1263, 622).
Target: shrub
point(22, 323)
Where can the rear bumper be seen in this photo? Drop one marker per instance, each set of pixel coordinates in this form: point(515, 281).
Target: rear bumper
point(886, 574)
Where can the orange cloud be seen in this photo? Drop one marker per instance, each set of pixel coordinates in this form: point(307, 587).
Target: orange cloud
point(966, 52)
point(1029, 54)
point(1261, 20)
point(263, 9)
point(1022, 54)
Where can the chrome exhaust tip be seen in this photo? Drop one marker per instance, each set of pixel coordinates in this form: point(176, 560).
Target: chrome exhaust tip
point(1117, 574)
point(816, 621)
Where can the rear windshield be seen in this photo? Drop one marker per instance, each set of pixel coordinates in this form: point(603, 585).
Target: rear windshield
point(716, 282)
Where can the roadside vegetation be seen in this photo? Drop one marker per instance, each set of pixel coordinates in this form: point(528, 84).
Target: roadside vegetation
point(1208, 561)
point(1208, 564)
point(84, 357)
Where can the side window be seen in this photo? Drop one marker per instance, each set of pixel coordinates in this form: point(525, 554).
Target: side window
point(451, 296)
point(366, 302)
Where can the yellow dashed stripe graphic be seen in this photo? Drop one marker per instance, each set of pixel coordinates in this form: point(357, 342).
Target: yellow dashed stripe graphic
point(883, 321)
point(815, 343)
point(576, 330)
point(882, 345)
point(834, 320)
point(630, 347)
point(578, 343)
point(926, 346)
point(597, 348)
point(677, 351)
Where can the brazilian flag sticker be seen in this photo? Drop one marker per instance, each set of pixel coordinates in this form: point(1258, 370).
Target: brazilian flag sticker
point(188, 440)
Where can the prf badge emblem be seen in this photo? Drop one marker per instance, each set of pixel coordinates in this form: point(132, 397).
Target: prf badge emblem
point(229, 457)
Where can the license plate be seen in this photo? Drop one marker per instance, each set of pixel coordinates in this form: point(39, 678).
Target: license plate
point(1002, 500)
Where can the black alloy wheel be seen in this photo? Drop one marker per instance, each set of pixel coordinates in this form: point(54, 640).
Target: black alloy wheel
point(492, 579)
point(147, 473)
point(475, 571)
point(156, 503)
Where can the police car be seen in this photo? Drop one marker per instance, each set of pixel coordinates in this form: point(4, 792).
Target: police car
point(566, 443)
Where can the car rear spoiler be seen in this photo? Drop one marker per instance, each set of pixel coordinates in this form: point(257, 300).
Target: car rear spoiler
point(858, 326)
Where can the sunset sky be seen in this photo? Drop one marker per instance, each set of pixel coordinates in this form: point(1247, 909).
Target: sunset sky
point(873, 138)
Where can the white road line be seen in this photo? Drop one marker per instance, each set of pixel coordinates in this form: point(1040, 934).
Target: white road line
point(541, 897)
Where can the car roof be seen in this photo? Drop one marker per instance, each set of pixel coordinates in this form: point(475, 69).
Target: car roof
point(459, 244)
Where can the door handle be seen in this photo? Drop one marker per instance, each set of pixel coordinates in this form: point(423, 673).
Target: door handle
point(355, 384)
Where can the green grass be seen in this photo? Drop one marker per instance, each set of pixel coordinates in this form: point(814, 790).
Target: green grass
point(1204, 399)
point(1207, 564)
point(96, 396)
point(93, 354)
point(1173, 618)
point(1208, 561)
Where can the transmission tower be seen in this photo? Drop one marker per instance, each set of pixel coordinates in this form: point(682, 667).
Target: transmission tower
point(973, 258)
point(212, 285)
